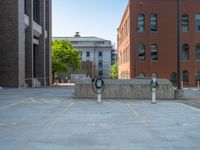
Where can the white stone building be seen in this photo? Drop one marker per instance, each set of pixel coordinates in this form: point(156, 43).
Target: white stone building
point(93, 49)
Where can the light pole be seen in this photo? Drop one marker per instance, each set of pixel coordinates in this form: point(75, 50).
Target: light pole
point(178, 45)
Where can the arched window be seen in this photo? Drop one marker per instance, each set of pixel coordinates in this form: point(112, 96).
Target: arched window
point(185, 77)
point(185, 23)
point(154, 52)
point(140, 23)
point(198, 51)
point(185, 52)
point(197, 22)
point(173, 77)
point(141, 52)
point(153, 22)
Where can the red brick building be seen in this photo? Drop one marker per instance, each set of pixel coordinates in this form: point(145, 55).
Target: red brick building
point(147, 40)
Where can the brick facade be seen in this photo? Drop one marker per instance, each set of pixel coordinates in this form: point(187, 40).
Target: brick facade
point(134, 63)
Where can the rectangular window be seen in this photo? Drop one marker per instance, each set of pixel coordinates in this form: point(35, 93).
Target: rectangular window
point(100, 65)
point(87, 54)
point(100, 54)
point(36, 10)
point(100, 73)
point(197, 22)
point(25, 8)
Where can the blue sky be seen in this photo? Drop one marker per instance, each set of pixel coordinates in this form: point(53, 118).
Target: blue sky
point(99, 18)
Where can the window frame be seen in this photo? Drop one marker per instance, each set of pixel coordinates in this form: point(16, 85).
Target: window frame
point(197, 52)
point(185, 25)
point(141, 23)
point(185, 51)
point(152, 21)
point(140, 52)
point(156, 52)
point(197, 22)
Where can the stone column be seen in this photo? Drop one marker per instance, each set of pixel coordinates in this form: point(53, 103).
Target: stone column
point(41, 54)
point(29, 44)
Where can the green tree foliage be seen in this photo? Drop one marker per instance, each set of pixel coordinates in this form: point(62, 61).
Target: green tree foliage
point(114, 71)
point(64, 56)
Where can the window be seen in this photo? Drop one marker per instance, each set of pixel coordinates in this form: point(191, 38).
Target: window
point(197, 22)
point(185, 77)
point(100, 54)
point(154, 52)
point(153, 22)
point(100, 42)
point(173, 77)
point(100, 73)
point(100, 64)
point(185, 23)
point(36, 10)
point(141, 52)
point(140, 23)
point(198, 51)
point(87, 54)
point(25, 7)
point(142, 75)
point(185, 52)
point(197, 76)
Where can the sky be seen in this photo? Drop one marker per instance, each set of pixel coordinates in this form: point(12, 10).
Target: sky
point(99, 18)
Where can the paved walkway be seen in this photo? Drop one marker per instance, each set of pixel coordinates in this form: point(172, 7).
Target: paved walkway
point(50, 119)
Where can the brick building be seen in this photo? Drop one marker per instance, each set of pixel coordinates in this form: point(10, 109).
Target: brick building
point(25, 43)
point(148, 37)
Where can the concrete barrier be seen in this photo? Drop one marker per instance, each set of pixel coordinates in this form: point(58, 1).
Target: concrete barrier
point(125, 89)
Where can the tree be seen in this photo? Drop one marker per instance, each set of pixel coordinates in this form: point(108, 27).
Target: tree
point(63, 57)
point(114, 71)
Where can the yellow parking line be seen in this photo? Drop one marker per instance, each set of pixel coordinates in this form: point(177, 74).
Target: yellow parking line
point(188, 106)
point(13, 104)
point(44, 100)
point(2, 124)
point(135, 113)
point(53, 122)
point(68, 106)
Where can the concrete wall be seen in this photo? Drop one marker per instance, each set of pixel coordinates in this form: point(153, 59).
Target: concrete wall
point(125, 89)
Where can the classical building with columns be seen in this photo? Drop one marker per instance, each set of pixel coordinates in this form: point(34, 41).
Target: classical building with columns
point(25, 43)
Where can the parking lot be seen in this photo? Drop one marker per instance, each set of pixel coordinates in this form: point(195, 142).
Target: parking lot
point(50, 119)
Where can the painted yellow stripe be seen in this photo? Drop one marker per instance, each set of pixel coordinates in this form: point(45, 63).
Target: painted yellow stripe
point(44, 100)
point(13, 104)
point(2, 124)
point(188, 106)
point(135, 113)
point(53, 122)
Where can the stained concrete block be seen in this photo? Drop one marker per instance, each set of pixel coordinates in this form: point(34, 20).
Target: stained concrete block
point(125, 89)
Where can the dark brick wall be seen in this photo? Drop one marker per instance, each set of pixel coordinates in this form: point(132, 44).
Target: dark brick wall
point(9, 47)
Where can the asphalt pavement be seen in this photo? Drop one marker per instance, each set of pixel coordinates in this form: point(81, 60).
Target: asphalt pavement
point(51, 119)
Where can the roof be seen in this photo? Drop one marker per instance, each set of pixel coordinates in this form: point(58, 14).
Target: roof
point(84, 39)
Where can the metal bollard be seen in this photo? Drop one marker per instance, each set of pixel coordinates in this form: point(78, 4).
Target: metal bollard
point(153, 96)
point(99, 97)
